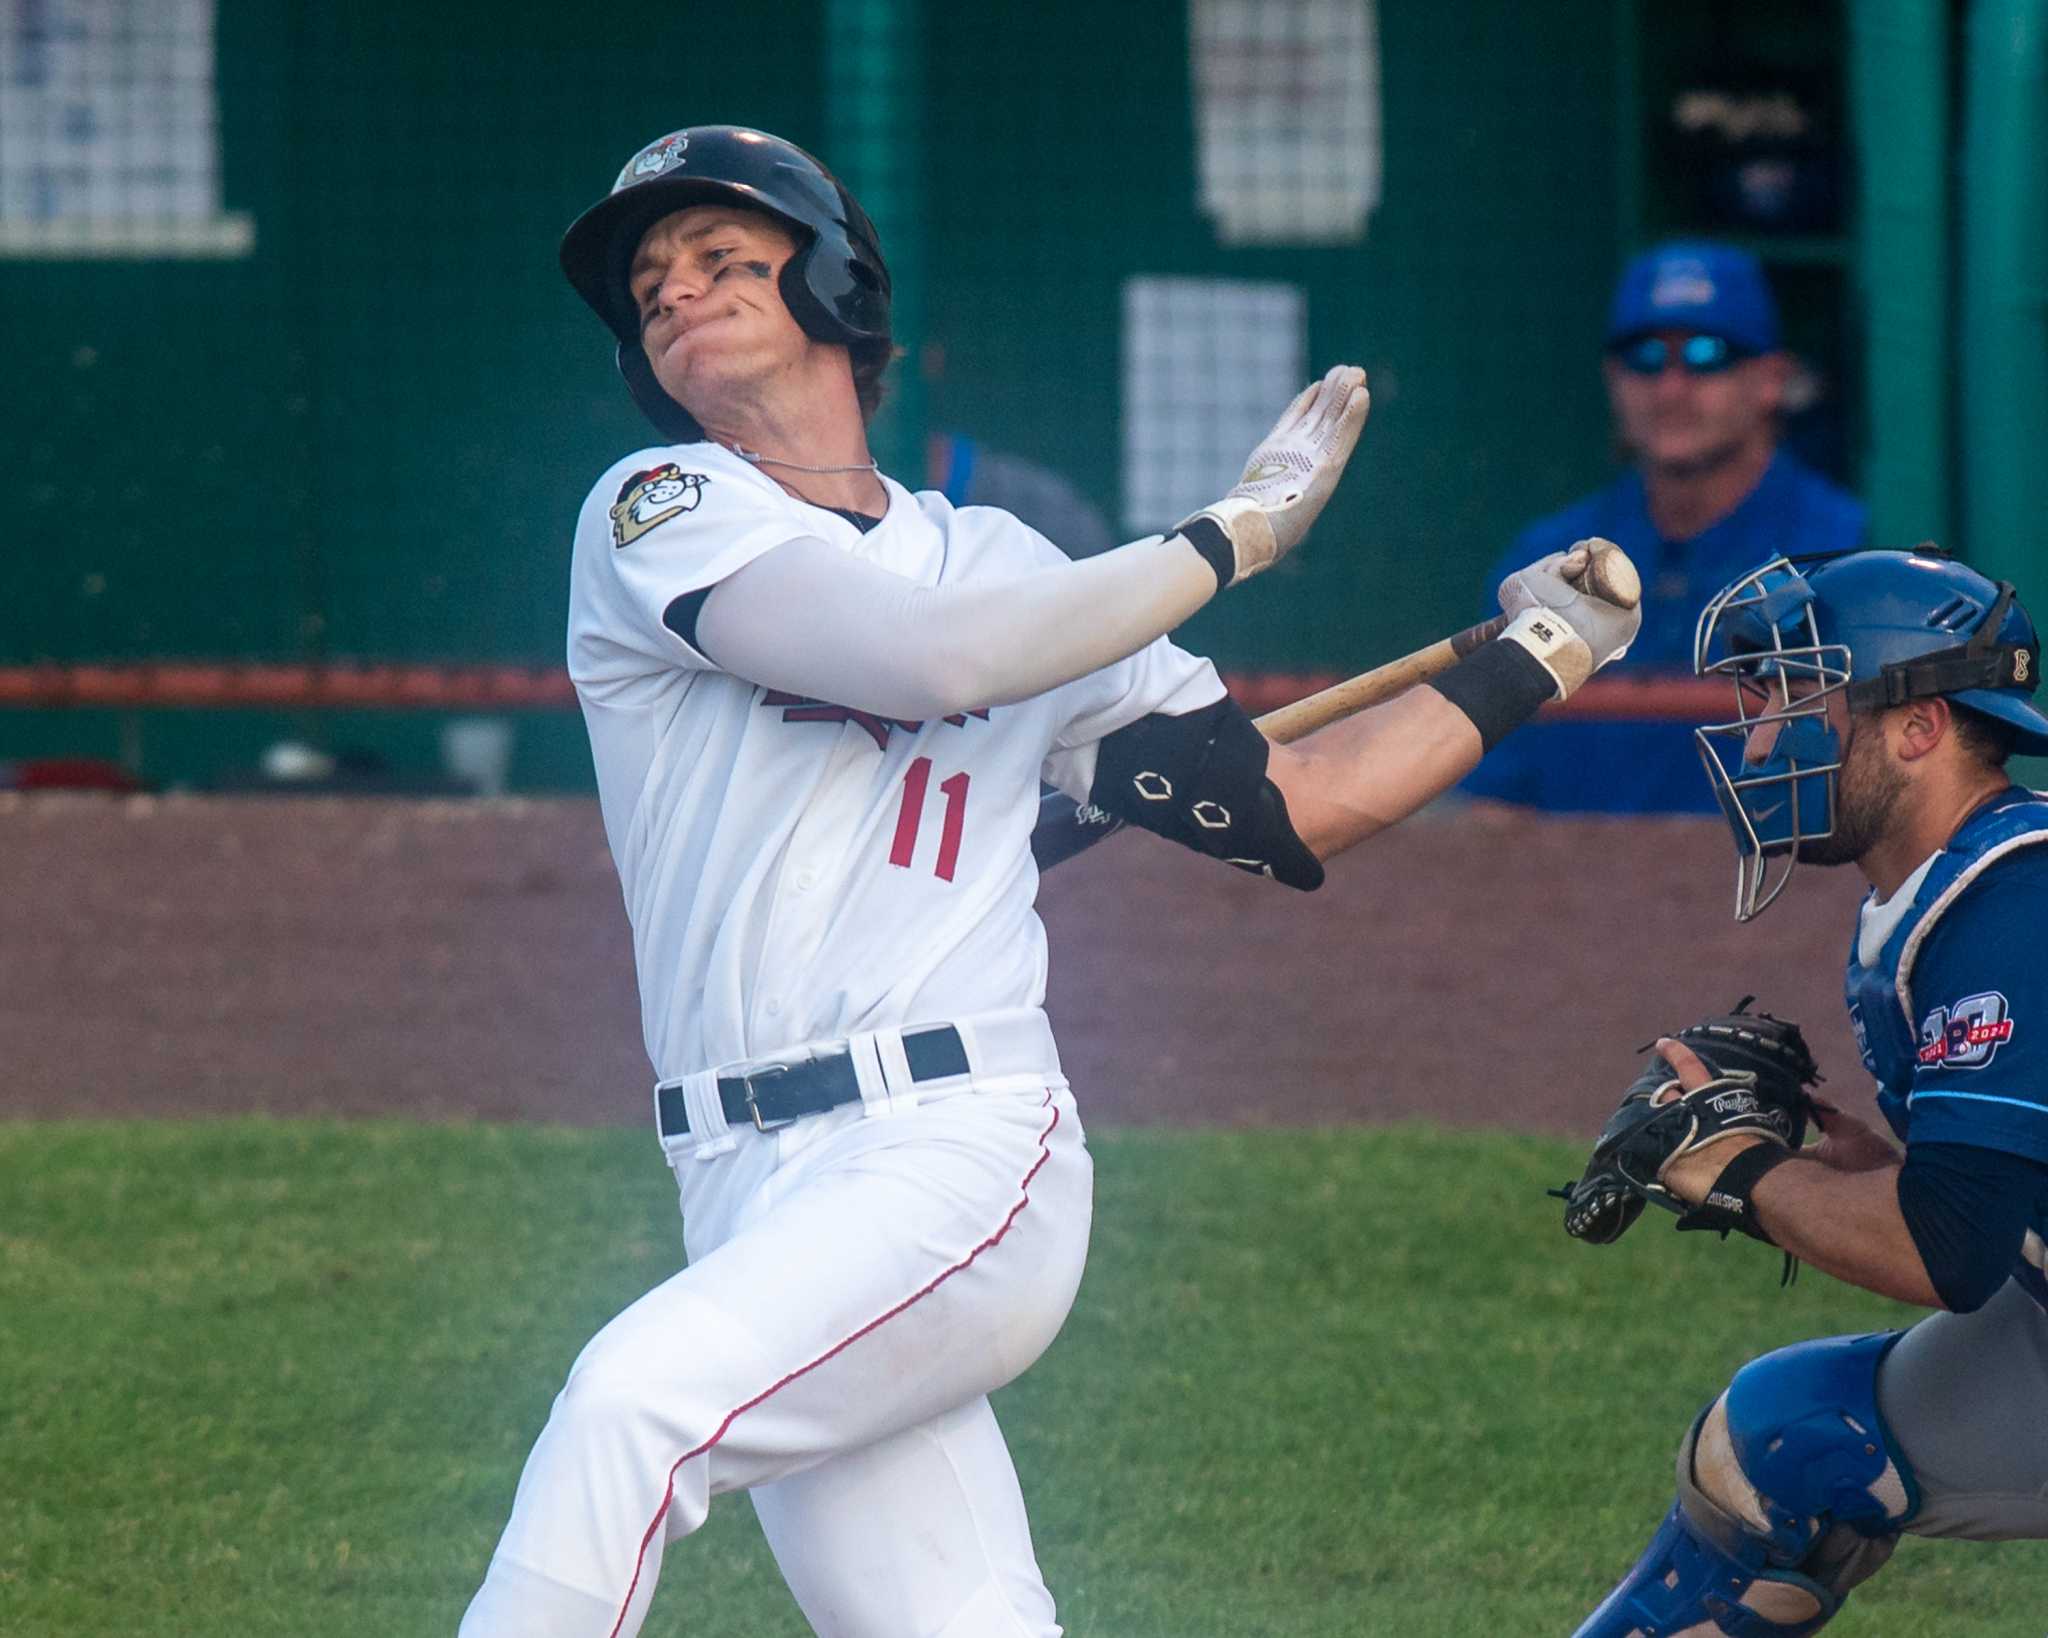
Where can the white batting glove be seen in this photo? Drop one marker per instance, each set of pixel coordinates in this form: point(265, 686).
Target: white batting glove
point(1292, 473)
point(1568, 626)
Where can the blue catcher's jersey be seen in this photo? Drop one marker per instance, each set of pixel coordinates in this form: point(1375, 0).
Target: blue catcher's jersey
point(1952, 1015)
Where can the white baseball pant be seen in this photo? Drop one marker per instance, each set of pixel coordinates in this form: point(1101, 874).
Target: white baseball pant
point(858, 1283)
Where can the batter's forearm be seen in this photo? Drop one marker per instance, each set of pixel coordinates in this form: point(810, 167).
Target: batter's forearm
point(809, 618)
point(1847, 1224)
point(1354, 778)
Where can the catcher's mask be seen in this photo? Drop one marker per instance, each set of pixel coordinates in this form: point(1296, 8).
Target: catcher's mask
point(836, 286)
point(1878, 628)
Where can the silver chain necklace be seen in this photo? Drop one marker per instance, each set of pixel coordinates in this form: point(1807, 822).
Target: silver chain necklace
point(756, 459)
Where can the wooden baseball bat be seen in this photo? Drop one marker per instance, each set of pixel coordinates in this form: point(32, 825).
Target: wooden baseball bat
point(1066, 827)
point(1605, 571)
point(1369, 688)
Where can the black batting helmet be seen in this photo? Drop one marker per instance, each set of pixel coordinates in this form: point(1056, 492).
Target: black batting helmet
point(836, 285)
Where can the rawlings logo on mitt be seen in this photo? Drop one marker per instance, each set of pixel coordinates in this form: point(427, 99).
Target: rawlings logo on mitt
point(1761, 1068)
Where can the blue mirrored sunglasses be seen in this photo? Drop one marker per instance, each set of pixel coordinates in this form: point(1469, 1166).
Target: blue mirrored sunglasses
point(1698, 355)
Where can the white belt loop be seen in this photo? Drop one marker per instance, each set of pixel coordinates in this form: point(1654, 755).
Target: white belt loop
point(878, 1068)
point(1015, 1041)
point(970, 1044)
point(709, 1136)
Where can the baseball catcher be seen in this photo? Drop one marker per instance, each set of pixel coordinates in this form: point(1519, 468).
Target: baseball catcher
point(1878, 696)
point(1740, 1076)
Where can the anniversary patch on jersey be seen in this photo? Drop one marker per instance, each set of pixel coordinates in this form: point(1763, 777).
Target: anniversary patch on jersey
point(799, 708)
point(649, 498)
point(1966, 1035)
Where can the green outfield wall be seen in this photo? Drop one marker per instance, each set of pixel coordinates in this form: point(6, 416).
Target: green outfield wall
point(367, 436)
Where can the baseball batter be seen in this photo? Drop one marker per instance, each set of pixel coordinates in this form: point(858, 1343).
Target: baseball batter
point(1881, 694)
point(820, 707)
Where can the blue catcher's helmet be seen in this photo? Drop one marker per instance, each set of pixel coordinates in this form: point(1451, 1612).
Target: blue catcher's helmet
point(836, 286)
point(1879, 628)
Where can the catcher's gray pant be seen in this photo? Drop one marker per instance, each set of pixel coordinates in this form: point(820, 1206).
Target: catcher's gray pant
point(1960, 1395)
point(1965, 1396)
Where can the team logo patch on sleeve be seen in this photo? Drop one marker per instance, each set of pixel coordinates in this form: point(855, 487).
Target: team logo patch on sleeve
point(1966, 1035)
point(653, 497)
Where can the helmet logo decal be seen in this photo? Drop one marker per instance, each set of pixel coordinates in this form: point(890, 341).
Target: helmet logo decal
point(649, 499)
point(653, 159)
point(2021, 663)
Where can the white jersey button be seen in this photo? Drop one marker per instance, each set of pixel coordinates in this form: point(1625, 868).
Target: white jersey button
point(773, 1009)
point(806, 880)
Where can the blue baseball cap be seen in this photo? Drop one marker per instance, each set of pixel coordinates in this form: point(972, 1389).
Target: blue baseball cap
point(1694, 284)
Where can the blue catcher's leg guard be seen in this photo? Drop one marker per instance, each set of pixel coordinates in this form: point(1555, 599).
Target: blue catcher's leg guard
point(1790, 1492)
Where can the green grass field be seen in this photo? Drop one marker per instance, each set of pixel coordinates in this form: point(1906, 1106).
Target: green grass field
point(278, 1378)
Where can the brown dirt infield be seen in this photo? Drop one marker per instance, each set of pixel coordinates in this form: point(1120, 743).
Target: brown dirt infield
point(304, 956)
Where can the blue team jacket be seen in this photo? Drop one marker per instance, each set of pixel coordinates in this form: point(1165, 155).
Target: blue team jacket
point(1952, 1016)
point(1654, 767)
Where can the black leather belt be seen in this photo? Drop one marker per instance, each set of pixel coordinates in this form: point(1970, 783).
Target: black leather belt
point(780, 1093)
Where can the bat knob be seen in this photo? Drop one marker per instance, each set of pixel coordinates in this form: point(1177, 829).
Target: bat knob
point(1603, 569)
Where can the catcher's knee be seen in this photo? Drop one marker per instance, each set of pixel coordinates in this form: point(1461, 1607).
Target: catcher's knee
point(1790, 1492)
point(1797, 1447)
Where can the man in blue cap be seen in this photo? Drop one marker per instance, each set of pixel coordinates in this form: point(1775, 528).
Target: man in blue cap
point(1697, 380)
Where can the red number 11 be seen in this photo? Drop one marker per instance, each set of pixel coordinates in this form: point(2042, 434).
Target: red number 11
point(915, 778)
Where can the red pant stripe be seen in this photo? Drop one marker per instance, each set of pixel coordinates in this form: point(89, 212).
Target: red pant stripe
point(668, 1493)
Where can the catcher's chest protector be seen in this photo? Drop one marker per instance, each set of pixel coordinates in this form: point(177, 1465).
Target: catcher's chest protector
point(1880, 996)
point(1957, 1035)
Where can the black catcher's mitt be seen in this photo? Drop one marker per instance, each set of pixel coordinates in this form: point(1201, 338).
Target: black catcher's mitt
point(1761, 1068)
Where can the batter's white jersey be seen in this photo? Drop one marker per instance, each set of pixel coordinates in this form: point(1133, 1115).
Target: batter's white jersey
point(796, 871)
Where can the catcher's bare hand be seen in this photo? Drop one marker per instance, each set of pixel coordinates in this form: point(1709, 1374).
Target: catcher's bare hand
point(1849, 1144)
